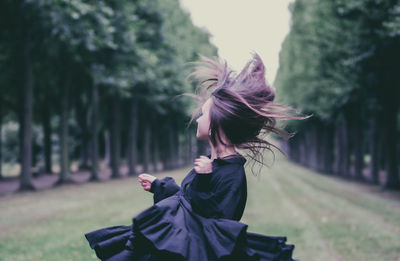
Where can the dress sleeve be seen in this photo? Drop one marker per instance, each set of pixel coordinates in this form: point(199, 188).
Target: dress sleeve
point(163, 188)
point(224, 198)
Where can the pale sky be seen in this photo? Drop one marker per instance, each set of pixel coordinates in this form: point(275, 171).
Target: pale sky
point(241, 27)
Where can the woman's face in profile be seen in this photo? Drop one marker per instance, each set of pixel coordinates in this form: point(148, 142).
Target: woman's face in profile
point(203, 122)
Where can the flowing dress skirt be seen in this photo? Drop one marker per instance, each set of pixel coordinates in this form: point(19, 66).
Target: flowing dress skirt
point(171, 230)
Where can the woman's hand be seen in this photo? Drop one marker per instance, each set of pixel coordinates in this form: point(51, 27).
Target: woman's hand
point(146, 180)
point(203, 165)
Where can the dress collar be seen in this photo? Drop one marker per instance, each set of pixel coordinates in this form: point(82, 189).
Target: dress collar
point(230, 159)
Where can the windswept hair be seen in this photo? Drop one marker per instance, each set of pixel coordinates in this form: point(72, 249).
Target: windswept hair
point(243, 107)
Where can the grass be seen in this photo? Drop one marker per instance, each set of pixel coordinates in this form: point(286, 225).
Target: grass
point(326, 218)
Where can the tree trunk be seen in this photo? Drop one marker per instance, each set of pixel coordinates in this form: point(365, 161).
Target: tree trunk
point(178, 149)
point(20, 111)
point(94, 175)
point(64, 157)
point(303, 149)
point(85, 136)
point(193, 142)
point(358, 139)
point(374, 143)
point(390, 153)
point(337, 147)
point(107, 148)
point(1, 140)
point(26, 124)
point(293, 148)
point(326, 151)
point(346, 148)
point(132, 137)
point(116, 137)
point(47, 140)
point(190, 147)
point(170, 159)
point(320, 132)
point(146, 145)
point(313, 146)
point(164, 149)
point(290, 148)
point(156, 154)
point(156, 146)
point(297, 148)
point(343, 148)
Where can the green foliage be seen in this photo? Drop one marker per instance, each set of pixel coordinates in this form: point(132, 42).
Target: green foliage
point(118, 43)
point(392, 25)
point(338, 54)
point(136, 48)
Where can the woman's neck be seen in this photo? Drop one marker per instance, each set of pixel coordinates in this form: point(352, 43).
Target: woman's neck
point(220, 151)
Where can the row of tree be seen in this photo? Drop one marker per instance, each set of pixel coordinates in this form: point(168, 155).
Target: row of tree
point(87, 70)
point(340, 62)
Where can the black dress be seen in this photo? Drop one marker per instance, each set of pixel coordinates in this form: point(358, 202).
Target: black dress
point(198, 221)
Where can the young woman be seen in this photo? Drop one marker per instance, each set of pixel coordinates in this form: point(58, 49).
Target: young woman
point(199, 220)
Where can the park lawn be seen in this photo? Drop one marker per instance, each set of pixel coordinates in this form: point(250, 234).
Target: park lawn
point(326, 218)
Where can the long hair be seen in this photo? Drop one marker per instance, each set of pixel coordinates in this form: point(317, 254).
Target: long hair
point(243, 107)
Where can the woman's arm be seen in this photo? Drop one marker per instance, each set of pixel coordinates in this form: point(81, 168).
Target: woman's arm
point(161, 189)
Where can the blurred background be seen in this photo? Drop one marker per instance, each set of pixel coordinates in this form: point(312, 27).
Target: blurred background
point(90, 91)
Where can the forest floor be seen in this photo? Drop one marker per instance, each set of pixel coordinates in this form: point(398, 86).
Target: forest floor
point(326, 218)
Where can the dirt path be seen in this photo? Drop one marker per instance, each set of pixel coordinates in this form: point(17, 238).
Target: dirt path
point(47, 181)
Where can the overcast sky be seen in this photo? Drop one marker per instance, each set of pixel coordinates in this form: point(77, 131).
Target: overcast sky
point(240, 27)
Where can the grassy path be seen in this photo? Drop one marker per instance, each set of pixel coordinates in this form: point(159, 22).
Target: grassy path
point(353, 223)
point(326, 218)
